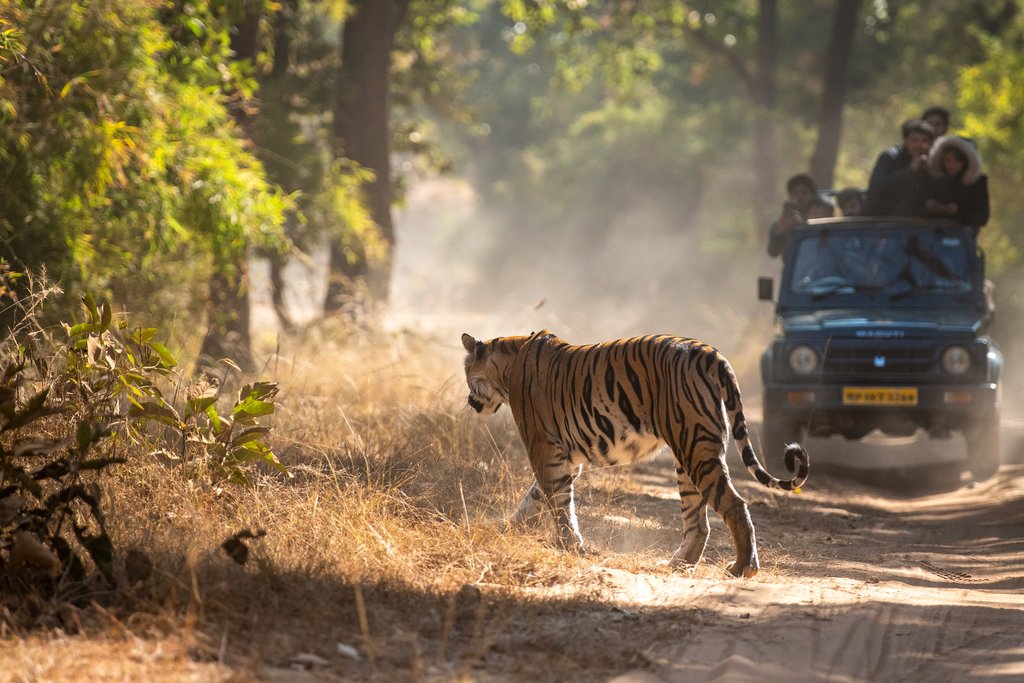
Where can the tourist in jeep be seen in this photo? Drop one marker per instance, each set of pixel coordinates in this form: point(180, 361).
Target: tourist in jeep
point(956, 187)
point(938, 118)
point(850, 201)
point(897, 180)
point(801, 192)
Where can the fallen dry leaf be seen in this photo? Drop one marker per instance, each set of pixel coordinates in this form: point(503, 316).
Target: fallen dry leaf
point(9, 508)
point(29, 553)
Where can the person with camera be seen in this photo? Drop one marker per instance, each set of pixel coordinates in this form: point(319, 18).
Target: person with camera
point(900, 172)
point(801, 192)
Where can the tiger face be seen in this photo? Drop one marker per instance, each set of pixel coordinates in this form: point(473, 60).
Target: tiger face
point(486, 392)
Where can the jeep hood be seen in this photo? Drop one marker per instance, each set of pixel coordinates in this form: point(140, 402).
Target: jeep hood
point(883, 322)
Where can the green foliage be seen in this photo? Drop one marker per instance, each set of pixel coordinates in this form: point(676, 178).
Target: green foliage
point(70, 408)
point(123, 158)
point(225, 446)
point(992, 100)
point(340, 209)
point(59, 424)
point(600, 112)
point(122, 122)
point(218, 446)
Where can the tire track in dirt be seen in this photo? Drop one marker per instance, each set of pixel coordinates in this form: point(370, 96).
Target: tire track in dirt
point(862, 586)
point(877, 641)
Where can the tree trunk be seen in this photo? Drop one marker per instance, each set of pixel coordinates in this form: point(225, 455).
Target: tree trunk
point(765, 159)
point(277, 262)
point(228, 308)
point(284, 28)
point(833, 95)
point(361, 125)
point(227, 316)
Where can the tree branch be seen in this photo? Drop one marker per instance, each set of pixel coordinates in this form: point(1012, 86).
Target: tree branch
point(714, 45)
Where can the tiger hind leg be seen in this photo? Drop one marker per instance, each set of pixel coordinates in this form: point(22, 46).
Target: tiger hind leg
point(695, 523)
point(711, 476)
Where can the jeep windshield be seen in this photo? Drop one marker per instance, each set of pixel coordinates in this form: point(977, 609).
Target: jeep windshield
point(839, 264)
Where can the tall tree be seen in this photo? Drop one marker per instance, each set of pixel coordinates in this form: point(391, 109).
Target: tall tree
point(760, 82)
point(292, 132)
point(833, 92)
point(362, 128)
point(766, 160)
point(228, 312)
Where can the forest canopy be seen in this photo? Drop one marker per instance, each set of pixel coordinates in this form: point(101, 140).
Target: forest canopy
point(149, 150)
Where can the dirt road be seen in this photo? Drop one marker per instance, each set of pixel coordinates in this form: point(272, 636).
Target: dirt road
point(859, 582)
point(871, 589)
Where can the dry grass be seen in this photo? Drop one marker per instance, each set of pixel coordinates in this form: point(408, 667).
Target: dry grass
point(387, 540)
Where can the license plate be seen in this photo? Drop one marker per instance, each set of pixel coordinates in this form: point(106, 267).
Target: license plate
point(880, 396)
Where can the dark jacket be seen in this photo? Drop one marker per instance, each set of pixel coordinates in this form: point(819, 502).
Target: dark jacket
point(895, 188)
point(969, 191)
point(891, 160)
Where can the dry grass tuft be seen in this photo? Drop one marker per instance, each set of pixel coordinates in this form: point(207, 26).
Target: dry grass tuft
point(383, 558)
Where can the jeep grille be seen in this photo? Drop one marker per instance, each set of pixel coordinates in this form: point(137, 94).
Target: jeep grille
point(904, 360)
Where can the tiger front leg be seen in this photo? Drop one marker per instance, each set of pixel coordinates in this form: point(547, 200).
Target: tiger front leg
point(556, 478)
point(530, 509)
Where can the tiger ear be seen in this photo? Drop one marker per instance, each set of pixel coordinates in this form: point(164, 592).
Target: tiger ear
point(468, 342)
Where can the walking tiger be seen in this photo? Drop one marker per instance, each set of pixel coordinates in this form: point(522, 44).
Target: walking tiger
point(619, 402)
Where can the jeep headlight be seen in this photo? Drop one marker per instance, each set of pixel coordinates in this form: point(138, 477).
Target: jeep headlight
point(956, 360)
point(803, 359)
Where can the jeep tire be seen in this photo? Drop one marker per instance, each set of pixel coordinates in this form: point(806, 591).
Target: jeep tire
point(982, 438)
point(776, 433)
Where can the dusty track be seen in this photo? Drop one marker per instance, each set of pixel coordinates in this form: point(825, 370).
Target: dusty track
point(858, 584)
point(877, 590)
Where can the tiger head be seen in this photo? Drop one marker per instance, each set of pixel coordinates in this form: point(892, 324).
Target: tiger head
point(485, 365)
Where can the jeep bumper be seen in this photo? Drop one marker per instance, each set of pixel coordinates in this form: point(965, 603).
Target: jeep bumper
point(853, 410)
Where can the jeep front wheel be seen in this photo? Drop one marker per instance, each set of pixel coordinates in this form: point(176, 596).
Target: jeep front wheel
point(776, 433)
point(982, 438)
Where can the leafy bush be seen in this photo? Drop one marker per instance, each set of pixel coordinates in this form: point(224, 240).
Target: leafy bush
point(70, 409)
point(122, 164)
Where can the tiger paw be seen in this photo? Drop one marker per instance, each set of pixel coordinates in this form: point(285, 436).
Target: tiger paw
point(687, 555)
point(678, 565)
point(746, 571)
point(580, 550)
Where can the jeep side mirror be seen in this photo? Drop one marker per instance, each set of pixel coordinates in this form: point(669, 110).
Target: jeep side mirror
point(764, 288)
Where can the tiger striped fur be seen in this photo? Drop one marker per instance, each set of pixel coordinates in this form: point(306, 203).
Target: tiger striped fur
point(619, 402)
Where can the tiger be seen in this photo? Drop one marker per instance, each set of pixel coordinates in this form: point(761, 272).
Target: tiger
point(618, 402)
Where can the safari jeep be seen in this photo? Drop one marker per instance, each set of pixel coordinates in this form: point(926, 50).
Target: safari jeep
point(881, 326)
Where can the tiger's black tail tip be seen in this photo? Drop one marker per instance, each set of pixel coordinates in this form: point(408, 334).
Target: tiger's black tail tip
point(798, 463)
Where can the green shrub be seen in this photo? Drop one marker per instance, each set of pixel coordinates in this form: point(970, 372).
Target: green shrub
point(81, 398)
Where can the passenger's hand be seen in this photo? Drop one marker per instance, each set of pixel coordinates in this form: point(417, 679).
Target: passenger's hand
point(789, 217)
point(940, 209)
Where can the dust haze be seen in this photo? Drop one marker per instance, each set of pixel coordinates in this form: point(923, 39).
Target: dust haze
point(644, 275)
point(458, 268)
point(456, 271)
